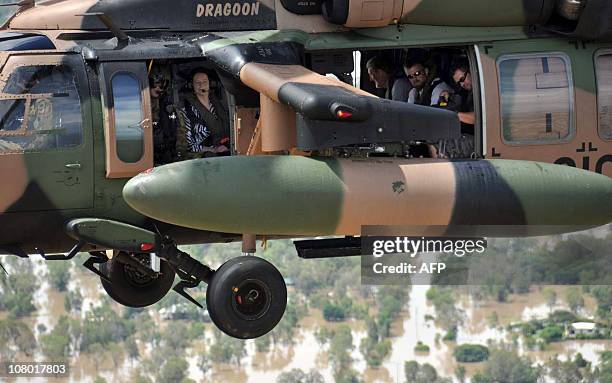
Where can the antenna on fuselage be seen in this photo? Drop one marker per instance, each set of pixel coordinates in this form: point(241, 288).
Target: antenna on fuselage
point(110, 24)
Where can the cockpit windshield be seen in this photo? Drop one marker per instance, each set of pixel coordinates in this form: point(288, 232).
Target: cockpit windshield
point(7, 11)
point(40, 108)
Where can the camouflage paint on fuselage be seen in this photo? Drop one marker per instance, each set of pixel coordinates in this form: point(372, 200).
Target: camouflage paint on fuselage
point(474, 23)
point(35, 206)
point(293, 195)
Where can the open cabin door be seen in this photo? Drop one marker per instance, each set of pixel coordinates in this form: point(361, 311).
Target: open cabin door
point(46, 148)
point(540, 103)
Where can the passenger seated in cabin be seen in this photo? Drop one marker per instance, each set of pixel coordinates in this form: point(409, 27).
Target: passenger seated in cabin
point(382, 74)
point(463, 104)
point(165, 120)
point(204, 126)
point(462, 77)
point(426, 88)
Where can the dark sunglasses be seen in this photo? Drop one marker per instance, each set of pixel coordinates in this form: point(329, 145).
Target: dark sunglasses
point(462, 79)
point(415, 75)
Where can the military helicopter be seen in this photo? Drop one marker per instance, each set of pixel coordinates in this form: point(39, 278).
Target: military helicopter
point(315, 147)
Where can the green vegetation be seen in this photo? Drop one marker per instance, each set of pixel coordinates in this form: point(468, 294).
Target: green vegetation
point(421, 347)
point(103, 326)
point(226, 349)
point(59, 274)
point(173, 370)
point(298, 376)
point(56, 344)
point(340, 347)
point(332, 312)
point(15, 334)
point(552, 329)
point(131, 348)
point(460, 373)
point(447, 314)
point(16, 295)
point(422, 373)
point(493, 319)
point(376, 346)
point(574, 299)
point(73, 300)
point(285, 329)
point(471, 353)
point(262, 344)
point(115, 334)
point(174, 337)
point(373, 347)
point(551, 297)
point(552, 333)
point(505, 365)
point(605, 371)
point(323, 335)
point(390, 301)
point(451, 334)
point(514, 266)
point(603, 295)
point(577, 370)
point(337, 310)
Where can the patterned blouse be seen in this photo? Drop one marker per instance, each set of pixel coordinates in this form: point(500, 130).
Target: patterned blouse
point(197, 133)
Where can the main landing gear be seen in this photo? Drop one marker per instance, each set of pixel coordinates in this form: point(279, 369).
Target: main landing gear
point(246, 297)
point(132, 282)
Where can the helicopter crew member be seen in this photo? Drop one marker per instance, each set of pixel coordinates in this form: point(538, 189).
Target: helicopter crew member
point(463, 104)
point(425, 89)
point(165, 121)
point(381, 73)
point(463, 78)
point(204, 129)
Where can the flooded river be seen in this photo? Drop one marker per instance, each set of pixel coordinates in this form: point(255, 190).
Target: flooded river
point(306, 353)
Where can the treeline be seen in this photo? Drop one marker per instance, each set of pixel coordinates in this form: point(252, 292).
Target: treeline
point(516, 264)
point(513, 266)
point(18, 288)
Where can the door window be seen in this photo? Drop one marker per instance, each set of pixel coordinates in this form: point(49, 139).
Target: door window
point(603, 67)
point(536, 98)
point(40, 109)
point(127, 104)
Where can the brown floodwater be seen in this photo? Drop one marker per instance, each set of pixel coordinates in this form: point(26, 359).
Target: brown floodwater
point(307, 354)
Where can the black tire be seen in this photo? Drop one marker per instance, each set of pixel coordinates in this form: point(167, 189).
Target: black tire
point(246, 297)
point(132, 288)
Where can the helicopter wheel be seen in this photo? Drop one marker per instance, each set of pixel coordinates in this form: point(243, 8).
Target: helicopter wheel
point(132, 288)
point(246, 297)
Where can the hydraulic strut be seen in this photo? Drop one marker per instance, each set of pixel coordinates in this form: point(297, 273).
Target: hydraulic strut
point(191, 271)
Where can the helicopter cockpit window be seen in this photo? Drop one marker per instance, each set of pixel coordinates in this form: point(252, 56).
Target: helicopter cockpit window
point(603, 67)
point(128, 117)
point(536, 98)
point(40, 109)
